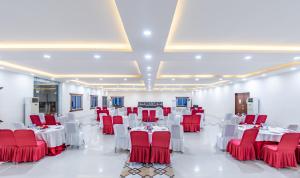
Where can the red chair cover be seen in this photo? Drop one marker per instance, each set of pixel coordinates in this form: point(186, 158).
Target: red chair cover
point(140, 147)
point(50, 120)
point(258, 146)
point(243, 149)
point(152, 116)
point(8, 145)
point(160, 152)
point(117, 120)
point(261, 119)
point(107, 125)
point(249, 119)
point(129, 110)
point(135, 110)
point(187, 123)
point(35, 119)
point(29, 149)
point(166, 111)
point(195, 123)
point(283, 154)
point(145, 116)
point(298, 154)
point(104, 108)
point(98, 115)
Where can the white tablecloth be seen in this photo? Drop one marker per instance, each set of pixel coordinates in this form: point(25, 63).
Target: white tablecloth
point(269, 134)
point(54, 135)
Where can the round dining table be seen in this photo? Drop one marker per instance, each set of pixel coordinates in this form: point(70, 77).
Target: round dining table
point(54, 136)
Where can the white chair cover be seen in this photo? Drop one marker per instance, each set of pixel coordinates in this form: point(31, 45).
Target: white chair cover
point(228, 133)
point(74, 136)
point(101, 119)
point(293, 127)
point(132, 120)
point(42, 117)
point(121, 137)
point(177, 139)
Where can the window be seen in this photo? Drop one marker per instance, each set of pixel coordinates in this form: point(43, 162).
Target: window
point(181, 101)
point(94, 101)
point(76, 102)
point(117, 101)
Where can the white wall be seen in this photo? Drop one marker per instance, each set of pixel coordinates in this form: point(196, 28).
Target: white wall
point(16, 88)
point(67, 89)
point(131, 98)
point(279, 98)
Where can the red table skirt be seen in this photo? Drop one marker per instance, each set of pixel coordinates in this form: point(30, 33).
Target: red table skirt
point(53, 151)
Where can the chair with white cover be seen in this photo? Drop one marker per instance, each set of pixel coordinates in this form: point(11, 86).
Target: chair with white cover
point(132, 120)
point(74, 137)
point(228, 133)
point(101, 119)
point(293, 127)
point(228, 117)
point(121, 137)
point(177, 140)
point(18, 125)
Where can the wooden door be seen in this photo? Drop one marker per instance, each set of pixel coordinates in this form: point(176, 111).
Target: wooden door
point(241, 103)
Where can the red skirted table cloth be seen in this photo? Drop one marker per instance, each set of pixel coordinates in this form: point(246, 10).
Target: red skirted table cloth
point(55, 138)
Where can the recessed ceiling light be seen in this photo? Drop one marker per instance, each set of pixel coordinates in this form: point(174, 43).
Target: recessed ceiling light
point(1, 67)
point(173, 79)
point(97, 56)
point(293, 68)
point(149, 68)
point(263, 75)
point(125, 79)
point(198, 57)
point(32, 74)
point(100, 79)
point(147, 33)
point(297, 58)
point(47, 56)
point(196, 79)
point(220, 79)
point(248, 58)
point(52, 78)
point(149, 79)
point(148, 56)
point(244, 79)
point(149, 74)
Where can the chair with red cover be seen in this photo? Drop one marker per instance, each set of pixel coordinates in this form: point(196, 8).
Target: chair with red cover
point(8, 145)
point(145, 116)
point(168, 110)
point(117, 120)
point(249, 119)
point(261, 119)
point(195, 123)
point(129, 110)
point(160, 147)
point(140, 147)
point(186, 123)
point(35, 119)
point(298, 153)
point(152, 116)
point(243, 149)
point(107, 125)
point(29, 149)
point(135, 110)
point(283, 154)
point(50, 120)
point(104, 108)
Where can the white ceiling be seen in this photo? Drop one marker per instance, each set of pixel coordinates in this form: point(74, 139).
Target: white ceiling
point(109, 22)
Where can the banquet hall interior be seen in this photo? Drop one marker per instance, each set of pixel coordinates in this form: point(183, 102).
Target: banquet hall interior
point(149, 89)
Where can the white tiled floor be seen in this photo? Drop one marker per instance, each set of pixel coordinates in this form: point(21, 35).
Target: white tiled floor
point(99, 160)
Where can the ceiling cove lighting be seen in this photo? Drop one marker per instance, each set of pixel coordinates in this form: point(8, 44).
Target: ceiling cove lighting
point(266, 70)
point(187, 76)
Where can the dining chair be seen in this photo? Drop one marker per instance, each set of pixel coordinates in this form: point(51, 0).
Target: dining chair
point(261, 119)
point(121, 137)
point(249, 119)
point(283, 154)
point(243, 149)
point(160, 147)
point(35, 119)
point(50, 120)
point(8, 145)
point(107, 125)
point(117, 120)
point(177, 138)
point(140, 147)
